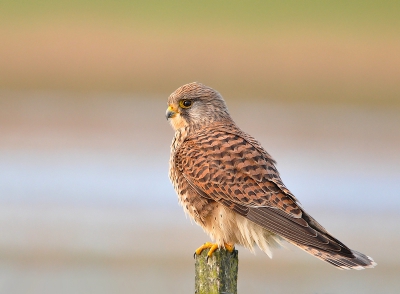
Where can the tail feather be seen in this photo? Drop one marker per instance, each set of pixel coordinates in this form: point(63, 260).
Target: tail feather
point(358, 261)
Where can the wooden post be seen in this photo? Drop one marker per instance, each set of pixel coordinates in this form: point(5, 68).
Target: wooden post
point(219, 274)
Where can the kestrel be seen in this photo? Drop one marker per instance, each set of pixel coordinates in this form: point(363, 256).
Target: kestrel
point(229, 184)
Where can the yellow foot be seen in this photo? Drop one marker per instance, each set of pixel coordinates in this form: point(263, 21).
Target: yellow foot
point(229, 247)
point(213, 247)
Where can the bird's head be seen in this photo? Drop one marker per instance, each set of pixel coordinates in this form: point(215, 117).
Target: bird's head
point(195, 105)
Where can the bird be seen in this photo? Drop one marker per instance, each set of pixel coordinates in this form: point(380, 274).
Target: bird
point(230, 186)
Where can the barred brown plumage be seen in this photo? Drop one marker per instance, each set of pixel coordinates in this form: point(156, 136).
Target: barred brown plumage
point(229, 184)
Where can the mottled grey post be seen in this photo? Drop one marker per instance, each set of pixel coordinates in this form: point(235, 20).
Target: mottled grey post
point(219, 274)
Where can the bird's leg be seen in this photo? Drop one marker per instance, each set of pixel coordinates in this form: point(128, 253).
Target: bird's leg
point(213, 246)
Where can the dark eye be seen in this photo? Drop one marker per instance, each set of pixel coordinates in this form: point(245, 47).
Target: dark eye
point(185, 103)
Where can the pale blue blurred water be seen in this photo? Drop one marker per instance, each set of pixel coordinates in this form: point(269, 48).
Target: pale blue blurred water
point(97, 178)
point(82, 178)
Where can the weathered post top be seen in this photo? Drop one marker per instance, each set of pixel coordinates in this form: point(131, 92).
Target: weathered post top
point(219, 274)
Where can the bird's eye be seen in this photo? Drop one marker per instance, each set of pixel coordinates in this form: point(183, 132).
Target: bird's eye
point(185, 103)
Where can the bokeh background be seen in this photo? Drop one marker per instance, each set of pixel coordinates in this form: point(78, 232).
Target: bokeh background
point(85, 201)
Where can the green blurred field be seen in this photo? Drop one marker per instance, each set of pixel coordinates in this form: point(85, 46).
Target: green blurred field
point(254, 15)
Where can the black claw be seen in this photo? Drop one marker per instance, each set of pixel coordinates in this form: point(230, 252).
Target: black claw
point(194, 255)
point(207, 258)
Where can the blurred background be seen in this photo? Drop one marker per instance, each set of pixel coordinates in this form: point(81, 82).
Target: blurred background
point(85, 201)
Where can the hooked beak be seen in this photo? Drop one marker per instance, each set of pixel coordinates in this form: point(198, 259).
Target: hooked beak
point(170, 113)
